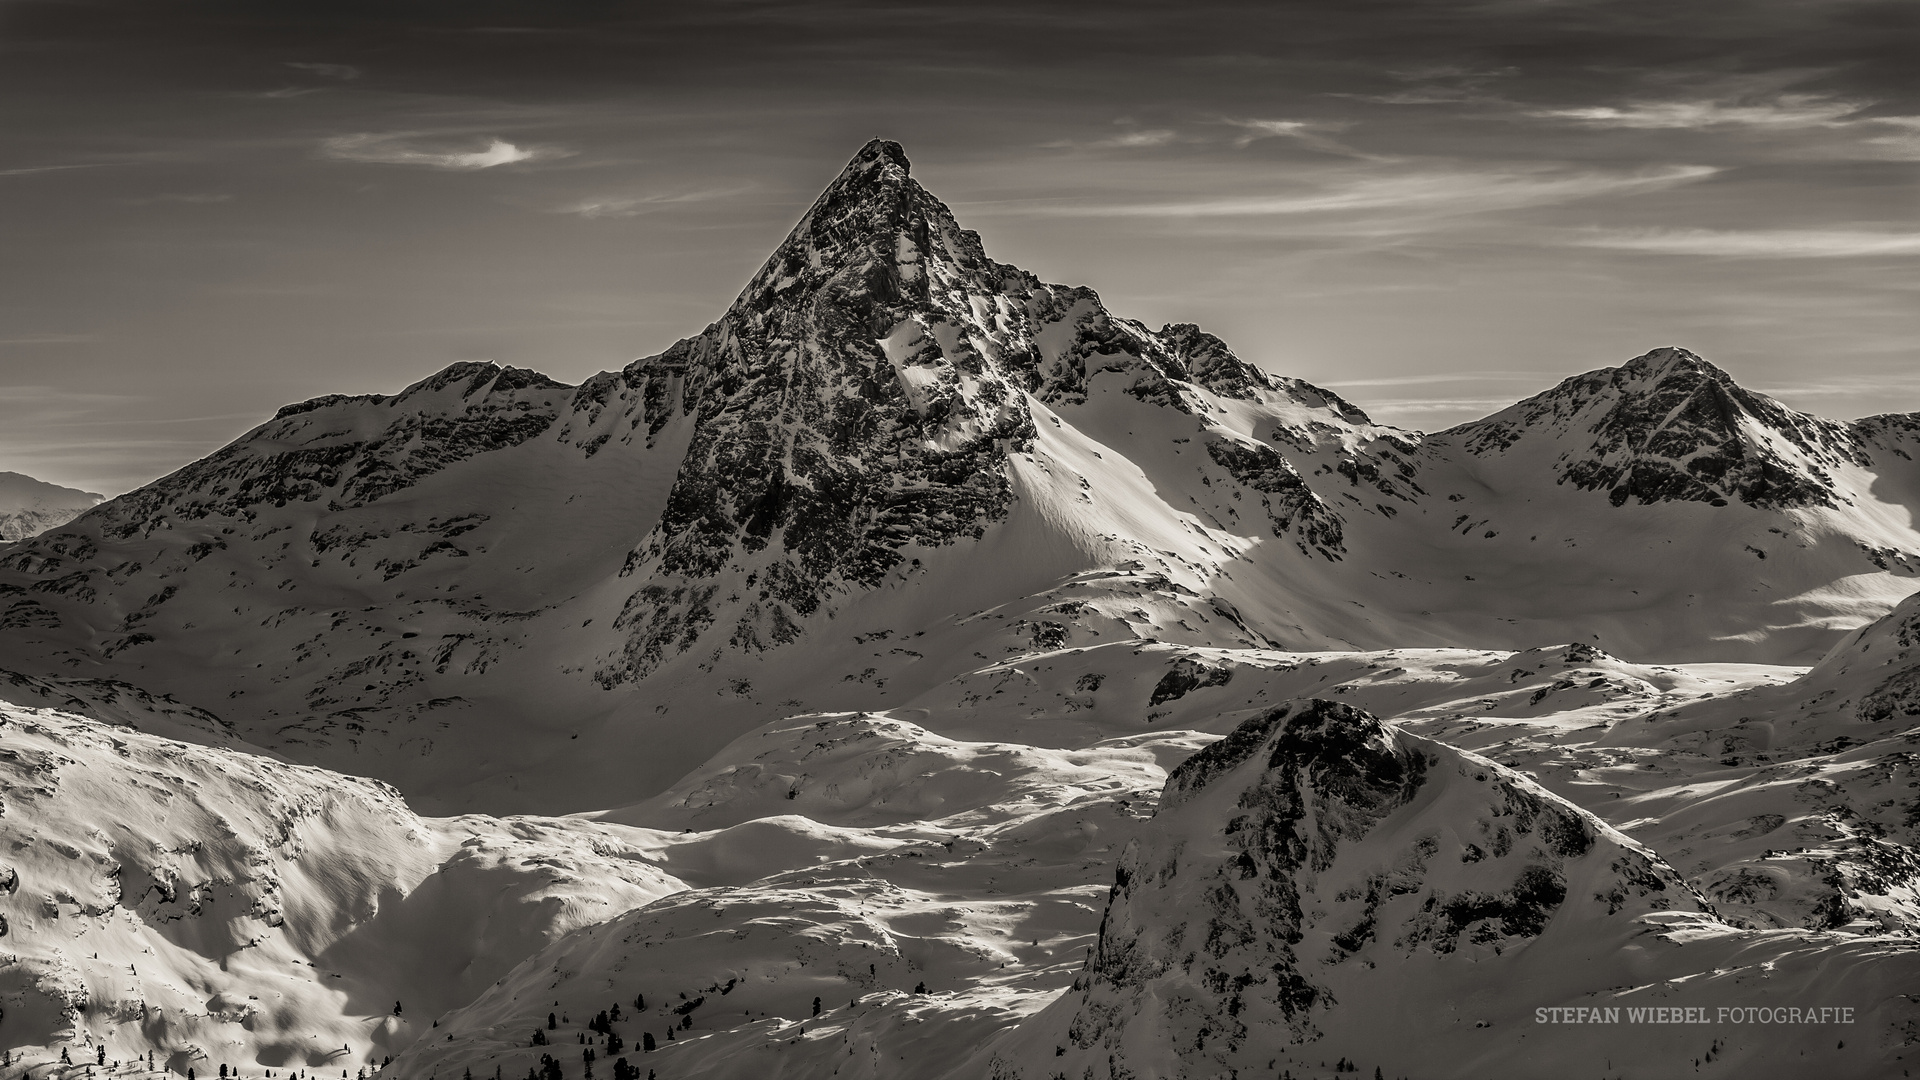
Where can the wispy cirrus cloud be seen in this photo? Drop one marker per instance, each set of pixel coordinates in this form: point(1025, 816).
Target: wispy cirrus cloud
point(1311, 133)
point(1440, 191)
point(410, 148)
point(1783, 111)
point(1413, 412)
point(42, 339)
point(343, 72)
point(187, 198)
point(1125, 140)
point(1879, 383)
point(620, 206)
point(1437, 377)
point(30, 170)
point(1756, 243)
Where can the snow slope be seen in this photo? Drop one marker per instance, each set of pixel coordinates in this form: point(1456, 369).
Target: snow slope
point(215, 906)
point(853, 858)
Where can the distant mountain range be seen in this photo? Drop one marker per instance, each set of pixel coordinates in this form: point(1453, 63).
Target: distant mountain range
point(867, 630)
point(29, 506)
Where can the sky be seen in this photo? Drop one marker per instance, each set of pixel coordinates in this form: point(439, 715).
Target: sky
point(1437, 207)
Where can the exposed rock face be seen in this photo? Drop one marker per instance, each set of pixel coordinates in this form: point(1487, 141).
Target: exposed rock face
point(864, 393)
point(1311, 852)
point(1670, 426)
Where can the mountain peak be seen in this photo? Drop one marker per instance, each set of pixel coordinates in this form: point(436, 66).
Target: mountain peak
point(1670, 360)
point(1667, 426)
point(879, 154)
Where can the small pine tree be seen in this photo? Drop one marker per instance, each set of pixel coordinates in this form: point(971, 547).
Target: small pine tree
point(920, 988)
point(396, 1008)
point(64, 1059)
point(646, 1042)
point(100, 1055)
point(816, 1006)
point(551, 1022)
point(615, 1015)
point(189, 1072)
point(223, 1072)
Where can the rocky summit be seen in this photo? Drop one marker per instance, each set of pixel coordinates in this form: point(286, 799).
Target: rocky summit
point(926, 671)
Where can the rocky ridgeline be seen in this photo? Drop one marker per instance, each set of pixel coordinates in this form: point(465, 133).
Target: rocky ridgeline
point(1671, 426)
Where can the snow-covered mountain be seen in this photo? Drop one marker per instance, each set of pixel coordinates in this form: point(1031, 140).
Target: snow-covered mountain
point(498, 591)
point(1323, 886)
point(29, 506)
point(948, 676)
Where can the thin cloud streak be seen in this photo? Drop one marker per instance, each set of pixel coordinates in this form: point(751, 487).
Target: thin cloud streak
point(1786, 111)
point(621, 206)
point(1129, 140)
point(1478, 406)
point(1442, 377)
point(343, 72)
point(30, 170)
point(1758, 244)
point(1306, 132)
point(1457, 192)
point(402, 149)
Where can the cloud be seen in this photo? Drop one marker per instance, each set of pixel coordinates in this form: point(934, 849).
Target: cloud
point(1785, 111)
point(1904, 144)
point(1478, 406)
point(608, 206)
point(1756, 244)
point(1303, 131)
point(190, 198)
point(42, 339)
point(402, 148)
point(1440, 191)
point(343, 72)
point(1443, 377)
point(1880, 383)
point(1126, 140)
point(30, 170)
